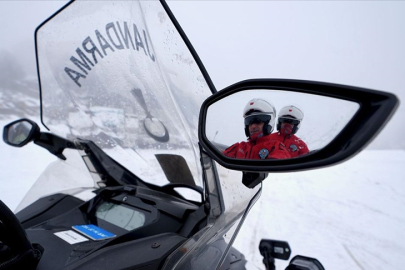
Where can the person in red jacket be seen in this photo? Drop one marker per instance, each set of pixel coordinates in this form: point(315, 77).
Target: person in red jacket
point(259, 118)
point(289, 121)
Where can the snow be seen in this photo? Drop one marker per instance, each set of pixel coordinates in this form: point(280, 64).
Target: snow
point(19, 169)
point(349, 216)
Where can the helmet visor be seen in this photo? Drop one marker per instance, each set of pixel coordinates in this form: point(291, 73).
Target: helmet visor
point(288, 121)
point(257, 119)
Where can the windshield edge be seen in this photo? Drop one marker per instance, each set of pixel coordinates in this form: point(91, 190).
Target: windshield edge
point(189, 46)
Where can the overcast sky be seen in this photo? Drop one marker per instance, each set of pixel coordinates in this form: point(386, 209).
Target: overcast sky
point(357, 43)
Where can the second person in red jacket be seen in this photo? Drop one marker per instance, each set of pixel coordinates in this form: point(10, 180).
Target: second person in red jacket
point(289, 121)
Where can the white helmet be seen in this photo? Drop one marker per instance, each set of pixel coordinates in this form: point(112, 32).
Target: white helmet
point(259, 110)
point(290, 114)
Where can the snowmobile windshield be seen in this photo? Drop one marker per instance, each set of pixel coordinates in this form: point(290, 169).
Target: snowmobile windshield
point(119, 74)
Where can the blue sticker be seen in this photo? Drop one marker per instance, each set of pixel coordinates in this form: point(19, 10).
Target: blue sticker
point(293, 147)
point(263, 153)
point(93, 232)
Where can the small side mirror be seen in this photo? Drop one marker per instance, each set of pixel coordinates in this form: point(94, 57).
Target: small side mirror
point(23, 131)
point(20, 132)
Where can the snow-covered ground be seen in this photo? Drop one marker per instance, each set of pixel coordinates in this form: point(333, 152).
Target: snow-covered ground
point(350, 216)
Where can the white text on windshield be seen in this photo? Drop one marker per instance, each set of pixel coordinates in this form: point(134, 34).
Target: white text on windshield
point(123, 40)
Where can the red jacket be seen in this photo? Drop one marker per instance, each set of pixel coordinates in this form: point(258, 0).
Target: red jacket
point(295, 145)
point(262, 148)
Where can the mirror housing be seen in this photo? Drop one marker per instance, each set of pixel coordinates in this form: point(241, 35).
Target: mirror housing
point(375, 109)
point(23, 131)
point(20, 132)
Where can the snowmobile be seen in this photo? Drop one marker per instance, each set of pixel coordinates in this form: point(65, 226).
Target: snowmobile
point(138, 131)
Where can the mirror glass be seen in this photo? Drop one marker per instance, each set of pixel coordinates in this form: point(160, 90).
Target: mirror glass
point(274, 124)
point(19, 132)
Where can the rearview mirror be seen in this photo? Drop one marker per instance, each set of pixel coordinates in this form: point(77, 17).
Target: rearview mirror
point(276, 125)
point(23, 131)
point(20, 132)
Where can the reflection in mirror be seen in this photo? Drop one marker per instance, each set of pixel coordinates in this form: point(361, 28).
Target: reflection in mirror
point(19, 132)
point(155, 128)
point(274, 124)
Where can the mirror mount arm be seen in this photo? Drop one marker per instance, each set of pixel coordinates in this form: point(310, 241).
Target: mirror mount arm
point(54, 144)
point(252, 179)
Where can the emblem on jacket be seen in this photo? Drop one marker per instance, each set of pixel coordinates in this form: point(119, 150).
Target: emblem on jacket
point(293, 148)
point(263, 153)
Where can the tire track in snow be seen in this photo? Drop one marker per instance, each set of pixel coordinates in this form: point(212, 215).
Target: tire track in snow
point(353, 257)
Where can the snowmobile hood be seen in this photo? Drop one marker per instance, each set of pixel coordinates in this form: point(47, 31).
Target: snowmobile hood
point(120, 74)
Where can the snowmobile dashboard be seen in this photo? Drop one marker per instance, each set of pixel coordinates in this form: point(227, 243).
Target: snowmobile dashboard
point(116, 216)
point(124, 217)
point(128, 208)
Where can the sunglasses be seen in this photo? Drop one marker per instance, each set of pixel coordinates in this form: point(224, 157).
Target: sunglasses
point(257, 119)
point(288, 121)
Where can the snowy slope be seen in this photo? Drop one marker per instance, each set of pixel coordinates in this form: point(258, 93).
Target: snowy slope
point(350, 216)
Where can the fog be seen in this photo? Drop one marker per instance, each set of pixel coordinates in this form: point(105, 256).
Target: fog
point(355, 43)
